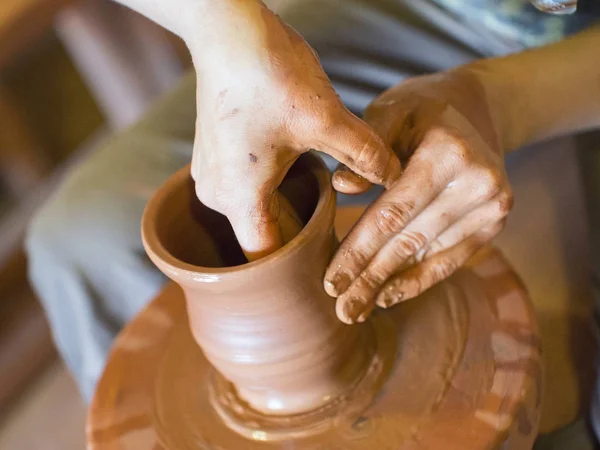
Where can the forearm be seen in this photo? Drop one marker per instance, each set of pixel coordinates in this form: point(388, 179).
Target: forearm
point(546, 92)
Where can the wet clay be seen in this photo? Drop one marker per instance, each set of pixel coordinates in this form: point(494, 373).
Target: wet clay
point(267, 326)
point(289, 222)
point(466, 375)
point(457, 368)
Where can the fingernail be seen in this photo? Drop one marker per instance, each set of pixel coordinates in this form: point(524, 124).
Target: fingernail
point(349, 182)
point(337, 284)
point(353, 309)
point(366, 313)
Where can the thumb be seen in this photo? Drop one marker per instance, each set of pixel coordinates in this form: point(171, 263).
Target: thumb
point(265, 226)
point(355, 144)
point(347, 182)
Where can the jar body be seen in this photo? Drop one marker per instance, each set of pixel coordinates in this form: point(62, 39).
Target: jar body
point(267, 326)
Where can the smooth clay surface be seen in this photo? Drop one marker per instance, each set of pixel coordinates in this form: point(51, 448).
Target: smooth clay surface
point(265, 363)
point(465, 373)
point(267, 326)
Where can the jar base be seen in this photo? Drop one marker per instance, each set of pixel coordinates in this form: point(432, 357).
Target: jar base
point(252, 424)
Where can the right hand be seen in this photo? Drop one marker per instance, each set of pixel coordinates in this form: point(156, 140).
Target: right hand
point(452, 198)
point(263, 99)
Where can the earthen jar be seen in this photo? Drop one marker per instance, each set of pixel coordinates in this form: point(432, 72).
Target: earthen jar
point(267, 326)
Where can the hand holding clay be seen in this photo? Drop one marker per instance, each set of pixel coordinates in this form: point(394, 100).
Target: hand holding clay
point(452, 197)
point(263, 100)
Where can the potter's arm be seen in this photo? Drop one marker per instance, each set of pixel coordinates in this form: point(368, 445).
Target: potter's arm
point(263, 99)
point(452, 129)
point(204, 23)
point(546, 92)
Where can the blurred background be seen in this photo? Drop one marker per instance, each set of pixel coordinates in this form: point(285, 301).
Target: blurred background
point(74, 71)
point(71, 72)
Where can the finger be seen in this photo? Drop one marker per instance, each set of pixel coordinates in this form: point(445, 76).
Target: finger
point(353, 143)
point(409, 246)
point(353, 310)
point(418, 279)
point(489, 213)
point(420, 184)
point(347, 182)
point(264, 226)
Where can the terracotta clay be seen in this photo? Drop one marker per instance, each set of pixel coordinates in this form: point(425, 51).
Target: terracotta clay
point(458, 368)
point(267, 326)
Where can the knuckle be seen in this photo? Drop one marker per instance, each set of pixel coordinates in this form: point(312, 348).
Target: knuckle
point(372, 277)
point(461, 152)
point(408, 244)
point(420, 285)
point(442, 270)
point(506, 201)
point(359, 258)
point(326, 120)
point(491, 181)
point(368, 156)
point(392, 219)
point(457, 149)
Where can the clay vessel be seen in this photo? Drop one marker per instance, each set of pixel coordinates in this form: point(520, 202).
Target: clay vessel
point(267, 326)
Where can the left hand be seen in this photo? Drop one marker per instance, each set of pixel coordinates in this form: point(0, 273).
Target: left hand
point(452, 197)
point(263, 99)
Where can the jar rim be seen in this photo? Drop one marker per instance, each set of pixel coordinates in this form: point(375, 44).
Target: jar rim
point(177, 269)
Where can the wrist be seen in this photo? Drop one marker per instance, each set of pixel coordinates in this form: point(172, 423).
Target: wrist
point(225, 29)
point(502, 101)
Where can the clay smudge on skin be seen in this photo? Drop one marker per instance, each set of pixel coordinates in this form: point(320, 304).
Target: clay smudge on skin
point(389, 297)
point(230, 115)
point(338, 283)
point(352, 310)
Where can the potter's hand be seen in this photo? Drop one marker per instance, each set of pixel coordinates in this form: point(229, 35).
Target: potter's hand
point(452, 197)
point(263, 100)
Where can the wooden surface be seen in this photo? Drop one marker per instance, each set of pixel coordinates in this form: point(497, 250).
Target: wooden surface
point(111, 46)
point(125, 59)
point(53, 390)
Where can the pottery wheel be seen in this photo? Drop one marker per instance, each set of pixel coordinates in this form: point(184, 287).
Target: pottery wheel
point(464, 372)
